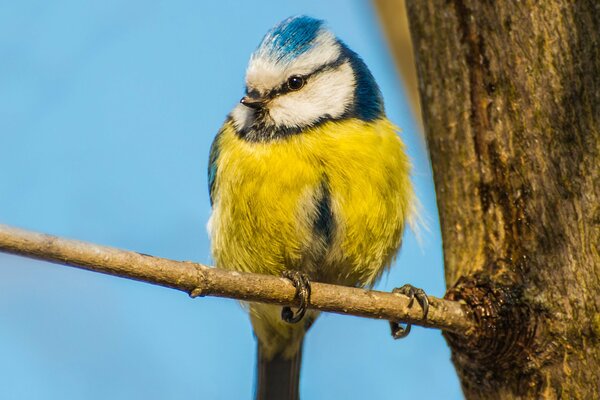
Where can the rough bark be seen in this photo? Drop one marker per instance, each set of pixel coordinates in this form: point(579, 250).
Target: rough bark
point(511, 106)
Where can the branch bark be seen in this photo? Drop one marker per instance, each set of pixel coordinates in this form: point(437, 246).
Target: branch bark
point(201, 280)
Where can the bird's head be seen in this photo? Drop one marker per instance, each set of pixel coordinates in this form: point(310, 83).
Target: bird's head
point(300, 76)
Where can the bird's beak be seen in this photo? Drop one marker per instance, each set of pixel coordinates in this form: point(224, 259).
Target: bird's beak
point(253, 102)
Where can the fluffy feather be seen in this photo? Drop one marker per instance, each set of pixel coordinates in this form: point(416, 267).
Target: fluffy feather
point(313, 179)
point(338, 83)
point(267, 197)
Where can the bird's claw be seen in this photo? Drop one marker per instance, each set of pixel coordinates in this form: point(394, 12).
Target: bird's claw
point(399, 332)
point(302, 284)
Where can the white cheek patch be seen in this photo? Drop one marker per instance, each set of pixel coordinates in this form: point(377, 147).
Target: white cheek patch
point(264, 73)
point(328, 93)
point(241, 116)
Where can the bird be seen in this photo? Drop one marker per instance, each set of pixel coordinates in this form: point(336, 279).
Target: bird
point(308, 180)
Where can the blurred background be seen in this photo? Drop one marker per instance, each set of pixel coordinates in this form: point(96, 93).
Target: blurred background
point(107, 112)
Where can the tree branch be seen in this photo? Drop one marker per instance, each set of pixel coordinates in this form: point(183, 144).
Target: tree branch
point(200, 280)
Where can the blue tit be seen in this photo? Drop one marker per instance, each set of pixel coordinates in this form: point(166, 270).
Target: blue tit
point(307, 174)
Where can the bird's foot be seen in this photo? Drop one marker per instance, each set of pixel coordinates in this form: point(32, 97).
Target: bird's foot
point(302, 284)
point(399, 332)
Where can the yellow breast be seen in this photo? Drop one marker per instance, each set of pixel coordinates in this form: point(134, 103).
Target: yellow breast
point(266, 201)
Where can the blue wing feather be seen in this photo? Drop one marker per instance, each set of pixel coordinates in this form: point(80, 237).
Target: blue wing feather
point(212, 166)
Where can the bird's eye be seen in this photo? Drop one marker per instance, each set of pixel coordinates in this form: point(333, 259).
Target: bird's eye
point(295, 83)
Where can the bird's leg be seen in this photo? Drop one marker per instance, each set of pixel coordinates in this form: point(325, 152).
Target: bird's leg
point(399, 332)
point(302, 283)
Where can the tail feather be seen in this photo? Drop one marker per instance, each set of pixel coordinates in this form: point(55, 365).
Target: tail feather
point(278, 378)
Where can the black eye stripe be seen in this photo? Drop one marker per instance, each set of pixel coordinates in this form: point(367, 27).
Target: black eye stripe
point(283, 89)
point(252, 93)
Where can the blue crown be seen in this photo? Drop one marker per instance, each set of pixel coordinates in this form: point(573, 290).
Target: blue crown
point(290, 38)
point(295, 36)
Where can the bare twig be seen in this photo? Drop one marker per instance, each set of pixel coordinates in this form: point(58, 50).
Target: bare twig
point(200, 280)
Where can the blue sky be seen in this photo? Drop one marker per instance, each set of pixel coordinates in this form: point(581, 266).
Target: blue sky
point(107, 112)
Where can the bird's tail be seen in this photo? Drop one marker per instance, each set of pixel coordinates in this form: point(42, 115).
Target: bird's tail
point(278, 378)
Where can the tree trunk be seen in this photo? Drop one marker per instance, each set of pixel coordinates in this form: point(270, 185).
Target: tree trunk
point(510, 95)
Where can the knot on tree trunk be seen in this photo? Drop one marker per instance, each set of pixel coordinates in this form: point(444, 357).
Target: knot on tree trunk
point(501, 343)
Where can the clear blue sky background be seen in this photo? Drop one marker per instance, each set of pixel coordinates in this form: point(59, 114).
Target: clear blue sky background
point(107, 111)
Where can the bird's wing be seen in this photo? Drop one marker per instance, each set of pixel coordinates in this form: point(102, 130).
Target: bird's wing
point(212, 165)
